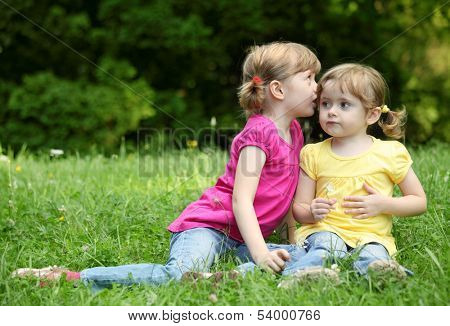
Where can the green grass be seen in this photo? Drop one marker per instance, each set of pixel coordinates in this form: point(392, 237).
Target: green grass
point(93, 211)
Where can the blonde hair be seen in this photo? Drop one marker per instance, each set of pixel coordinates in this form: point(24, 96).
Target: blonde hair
point(273, 61)
point(370, 88)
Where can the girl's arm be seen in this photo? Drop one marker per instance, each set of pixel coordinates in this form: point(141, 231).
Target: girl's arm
point(287, 227)
point(413, 202)
point(248, 172)
point(307, 209)
point(292, 226)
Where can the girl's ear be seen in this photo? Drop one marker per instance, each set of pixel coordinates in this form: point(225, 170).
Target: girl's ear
point(373, 115)
point(276, 89)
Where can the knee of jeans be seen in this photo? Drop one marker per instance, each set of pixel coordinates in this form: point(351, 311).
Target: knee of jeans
point(327, 241)
point(374, 251)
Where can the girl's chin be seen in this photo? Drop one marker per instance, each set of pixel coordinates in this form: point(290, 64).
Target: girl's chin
point(306, 112)
point(331, 132)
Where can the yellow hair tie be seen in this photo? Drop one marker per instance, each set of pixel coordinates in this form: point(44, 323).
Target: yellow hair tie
point(385, 109)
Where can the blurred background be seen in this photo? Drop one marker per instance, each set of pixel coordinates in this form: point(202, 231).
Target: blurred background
point(77, 74)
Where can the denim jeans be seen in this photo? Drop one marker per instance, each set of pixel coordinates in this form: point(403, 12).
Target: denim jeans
point(248, 265)
point(190, 250)
point(327, 246)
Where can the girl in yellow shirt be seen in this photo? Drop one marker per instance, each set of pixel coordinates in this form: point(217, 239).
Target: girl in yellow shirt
point(344, 197)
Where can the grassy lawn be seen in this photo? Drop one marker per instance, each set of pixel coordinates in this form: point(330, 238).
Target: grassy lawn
point(101, 211)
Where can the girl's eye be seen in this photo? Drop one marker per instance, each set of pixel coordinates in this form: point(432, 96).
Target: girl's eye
point(324, 104)
point(345, 105)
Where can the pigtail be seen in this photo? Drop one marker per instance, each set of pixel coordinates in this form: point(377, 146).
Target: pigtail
point(392, 123)
point(251, 95)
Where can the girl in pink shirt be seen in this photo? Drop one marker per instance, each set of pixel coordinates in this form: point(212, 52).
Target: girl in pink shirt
point(254, 194)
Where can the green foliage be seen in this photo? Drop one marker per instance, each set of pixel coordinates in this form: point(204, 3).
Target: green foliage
point(47, 111)
point(190, 52)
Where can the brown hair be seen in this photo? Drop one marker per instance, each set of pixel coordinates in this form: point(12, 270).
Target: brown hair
point(370, 88)
point(273, 61)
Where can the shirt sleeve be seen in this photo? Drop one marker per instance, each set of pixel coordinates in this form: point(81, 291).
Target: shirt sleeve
point(308, 161)
point(255, 137)
point(401, 162)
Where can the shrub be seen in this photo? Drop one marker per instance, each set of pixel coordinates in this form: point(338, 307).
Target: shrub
point(49, 112)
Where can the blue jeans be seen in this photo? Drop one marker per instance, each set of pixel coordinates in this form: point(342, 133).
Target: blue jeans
point(327, 246)
point(248, 265)
point(190, 250)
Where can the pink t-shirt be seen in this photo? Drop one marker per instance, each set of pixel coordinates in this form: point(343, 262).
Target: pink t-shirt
point(276, 187)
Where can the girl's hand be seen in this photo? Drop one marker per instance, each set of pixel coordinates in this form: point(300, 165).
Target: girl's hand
point(273, 261)
point(320, 207)
point(365, 206)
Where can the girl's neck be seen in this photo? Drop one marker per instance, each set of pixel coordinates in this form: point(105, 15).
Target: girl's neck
point(351, 145)
point(281, 120)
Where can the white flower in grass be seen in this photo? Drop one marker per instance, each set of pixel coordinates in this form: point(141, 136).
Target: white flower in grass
point(56, 152)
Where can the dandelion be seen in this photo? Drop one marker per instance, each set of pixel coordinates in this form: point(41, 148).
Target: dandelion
point(61, 218)
point(56, 152)
point(192, 144)
point(18, 168)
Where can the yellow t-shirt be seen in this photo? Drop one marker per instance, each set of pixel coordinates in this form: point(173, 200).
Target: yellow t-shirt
point(383, 165)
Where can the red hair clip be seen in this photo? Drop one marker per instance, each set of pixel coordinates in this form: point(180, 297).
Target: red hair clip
point(257, 80)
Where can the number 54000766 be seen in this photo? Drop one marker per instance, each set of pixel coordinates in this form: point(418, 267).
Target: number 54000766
point(288, 314)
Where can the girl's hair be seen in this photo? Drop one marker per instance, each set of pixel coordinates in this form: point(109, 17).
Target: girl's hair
point(273, 61)
point(370, 88)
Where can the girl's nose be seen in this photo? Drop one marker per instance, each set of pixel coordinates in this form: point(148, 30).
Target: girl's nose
point(332, 111)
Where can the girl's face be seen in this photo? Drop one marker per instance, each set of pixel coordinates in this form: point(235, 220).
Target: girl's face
point(341, 113)
point(300, 94)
